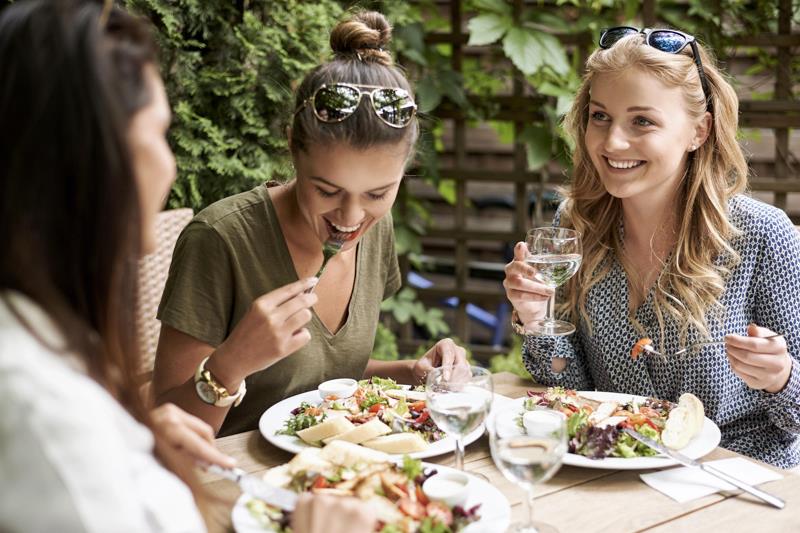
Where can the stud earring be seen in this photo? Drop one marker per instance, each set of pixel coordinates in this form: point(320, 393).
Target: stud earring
point(692, 148)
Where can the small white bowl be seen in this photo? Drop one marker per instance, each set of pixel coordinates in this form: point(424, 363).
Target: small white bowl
point(451, 488)
point(341, 388)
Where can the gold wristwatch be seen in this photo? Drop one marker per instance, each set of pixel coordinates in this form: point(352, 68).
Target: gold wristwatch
point(516, 324)
point(212, 392)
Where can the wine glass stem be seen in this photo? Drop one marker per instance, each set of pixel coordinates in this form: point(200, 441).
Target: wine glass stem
point(459, 454)
point(529, 499)
point(551, 303)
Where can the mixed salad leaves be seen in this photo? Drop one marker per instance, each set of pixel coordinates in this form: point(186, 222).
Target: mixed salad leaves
point(595, 428)
point(399, 410)
point(392, 490)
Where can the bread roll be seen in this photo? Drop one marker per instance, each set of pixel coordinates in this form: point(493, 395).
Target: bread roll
point(695, 407)
point(678, 429)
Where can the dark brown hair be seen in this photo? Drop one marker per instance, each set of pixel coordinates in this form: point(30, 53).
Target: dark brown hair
point(73, 77)
point(360, 57)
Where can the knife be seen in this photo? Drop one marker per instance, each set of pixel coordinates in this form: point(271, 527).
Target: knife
point(257, 487)
point(758, 493)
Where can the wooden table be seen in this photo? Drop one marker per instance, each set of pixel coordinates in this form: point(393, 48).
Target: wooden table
point(576, 499)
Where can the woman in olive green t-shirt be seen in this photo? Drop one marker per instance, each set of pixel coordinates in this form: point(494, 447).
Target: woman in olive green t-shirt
point(235, 310)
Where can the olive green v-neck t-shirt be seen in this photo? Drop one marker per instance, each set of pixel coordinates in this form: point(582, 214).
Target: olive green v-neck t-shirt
point(232, 253)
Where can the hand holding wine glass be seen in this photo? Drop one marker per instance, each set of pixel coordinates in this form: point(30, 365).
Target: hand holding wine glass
point(458, 399)
point(528, 449)
point(555, 255)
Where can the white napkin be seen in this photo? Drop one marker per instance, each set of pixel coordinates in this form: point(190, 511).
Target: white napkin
point(688, 483)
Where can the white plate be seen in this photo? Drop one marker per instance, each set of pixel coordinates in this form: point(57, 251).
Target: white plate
point(703, 443)
point(495, 510)
point(274, 418)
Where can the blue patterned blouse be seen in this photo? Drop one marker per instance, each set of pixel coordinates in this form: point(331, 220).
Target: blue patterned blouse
point(764, 288)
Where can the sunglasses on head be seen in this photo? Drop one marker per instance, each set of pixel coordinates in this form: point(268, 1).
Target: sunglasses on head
point(669, 41)
point(337, 101)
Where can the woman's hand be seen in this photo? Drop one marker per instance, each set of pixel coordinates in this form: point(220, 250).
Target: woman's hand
point(188, 434)
point(761, 363)
point(332, 514)
point(272, 329)
point(528, 296)
point(444, 353)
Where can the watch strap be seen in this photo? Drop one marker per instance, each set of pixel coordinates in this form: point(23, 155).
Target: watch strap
point(223, 397)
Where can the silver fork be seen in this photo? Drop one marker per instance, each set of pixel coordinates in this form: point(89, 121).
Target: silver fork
point(330, 248)
point(652, 351)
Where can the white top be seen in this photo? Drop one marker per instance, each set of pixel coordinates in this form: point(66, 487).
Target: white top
point(71, 458)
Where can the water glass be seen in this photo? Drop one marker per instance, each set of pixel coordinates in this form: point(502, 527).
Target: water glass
point(458, 399)
point(556, 255)
point(528, 448)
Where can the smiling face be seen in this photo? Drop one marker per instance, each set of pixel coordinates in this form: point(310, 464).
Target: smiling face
point(639, 134)
point(343, 191)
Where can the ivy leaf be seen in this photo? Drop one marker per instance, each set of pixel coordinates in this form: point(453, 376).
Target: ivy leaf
point(553, 52)
point(486, 29)
point(447, 188)
point(500, 7)
point(524, 50)
point(428, 95)
point(538, 143)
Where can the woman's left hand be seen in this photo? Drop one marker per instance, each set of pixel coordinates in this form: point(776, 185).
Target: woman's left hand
point(764, 364)
point(444, 353)
point(188, 434)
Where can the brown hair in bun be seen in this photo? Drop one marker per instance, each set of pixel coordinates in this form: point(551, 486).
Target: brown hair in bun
point(367, 34)
point(361, 57)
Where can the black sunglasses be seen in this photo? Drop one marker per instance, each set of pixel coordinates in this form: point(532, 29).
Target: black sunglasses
point(337, 101)
point(669, 41)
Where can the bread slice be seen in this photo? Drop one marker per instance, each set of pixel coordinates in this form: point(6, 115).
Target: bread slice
point(309, 460)
point(398, 443)
point(330, 427)
point(678, 429)
point(357, 435)
point(695, 407)
point(399, 394)
point(347, 454)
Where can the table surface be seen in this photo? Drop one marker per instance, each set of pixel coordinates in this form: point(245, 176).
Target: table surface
point(576, 499)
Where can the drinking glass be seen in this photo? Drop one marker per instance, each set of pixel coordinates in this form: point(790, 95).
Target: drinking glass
point(555, 253)
point(458, 399)
point(528, 449)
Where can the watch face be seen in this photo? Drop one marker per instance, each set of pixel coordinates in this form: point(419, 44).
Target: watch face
point(205, 392)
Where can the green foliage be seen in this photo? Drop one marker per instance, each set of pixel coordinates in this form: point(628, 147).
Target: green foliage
point(404, 306)
point(385, 347)
point(511, 361)
point(229, 73)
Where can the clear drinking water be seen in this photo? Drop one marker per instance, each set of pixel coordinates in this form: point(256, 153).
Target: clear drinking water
point(459, 413)
point(554, 269)
point(528, 460)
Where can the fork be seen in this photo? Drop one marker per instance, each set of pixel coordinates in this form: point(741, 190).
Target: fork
point(652, 351)
point(330, 248)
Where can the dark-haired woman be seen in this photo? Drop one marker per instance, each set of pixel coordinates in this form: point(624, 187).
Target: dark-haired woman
point(235, 309)
point(84, 168)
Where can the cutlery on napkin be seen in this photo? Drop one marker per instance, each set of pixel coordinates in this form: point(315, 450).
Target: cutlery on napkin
point(709, 477)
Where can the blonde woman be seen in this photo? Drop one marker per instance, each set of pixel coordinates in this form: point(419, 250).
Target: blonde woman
point(673, 250)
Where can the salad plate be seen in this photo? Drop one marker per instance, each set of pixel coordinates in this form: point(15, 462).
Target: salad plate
point(275, 421)
point(488, 508)
point(704, 442)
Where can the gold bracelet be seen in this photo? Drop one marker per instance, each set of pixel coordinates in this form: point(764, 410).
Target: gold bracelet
point(516, 323)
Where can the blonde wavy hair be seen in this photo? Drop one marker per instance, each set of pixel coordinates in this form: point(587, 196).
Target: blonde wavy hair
point(693, 279)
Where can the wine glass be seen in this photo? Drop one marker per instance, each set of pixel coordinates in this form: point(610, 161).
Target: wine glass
point(528, 449)
point(555, 253)
point(458, 399)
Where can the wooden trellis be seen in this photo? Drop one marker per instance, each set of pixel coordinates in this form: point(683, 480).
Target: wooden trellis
point(778, 176)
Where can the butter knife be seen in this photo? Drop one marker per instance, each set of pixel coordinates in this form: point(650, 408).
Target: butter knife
point(256, 487)
point(672, 454)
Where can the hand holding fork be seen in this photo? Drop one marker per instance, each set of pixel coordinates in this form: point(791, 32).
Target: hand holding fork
point(759, 358)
